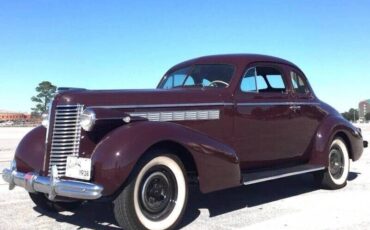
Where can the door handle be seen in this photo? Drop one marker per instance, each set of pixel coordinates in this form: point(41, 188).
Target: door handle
point(294, 108)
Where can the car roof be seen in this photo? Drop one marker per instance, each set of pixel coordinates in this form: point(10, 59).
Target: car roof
point(234, 59)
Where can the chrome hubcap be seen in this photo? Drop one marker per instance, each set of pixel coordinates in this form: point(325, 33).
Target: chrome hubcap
point(336, 162)
point(158, 193)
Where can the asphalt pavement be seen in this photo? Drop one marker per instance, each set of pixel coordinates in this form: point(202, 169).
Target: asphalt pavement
point(289, 203)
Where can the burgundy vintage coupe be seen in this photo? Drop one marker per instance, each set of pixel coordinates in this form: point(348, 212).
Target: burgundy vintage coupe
point(225, 120)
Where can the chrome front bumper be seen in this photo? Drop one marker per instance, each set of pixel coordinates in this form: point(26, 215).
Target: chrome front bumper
point(53, 186)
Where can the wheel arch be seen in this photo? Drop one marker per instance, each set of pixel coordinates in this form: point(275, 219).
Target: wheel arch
point(341, 134)
point(178, 150)
point(173, 148)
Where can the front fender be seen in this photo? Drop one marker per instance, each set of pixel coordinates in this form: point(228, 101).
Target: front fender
point(116, 155)
point(30, 152)
point(329, 128)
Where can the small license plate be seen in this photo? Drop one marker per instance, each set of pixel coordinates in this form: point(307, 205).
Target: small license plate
point(79, 168)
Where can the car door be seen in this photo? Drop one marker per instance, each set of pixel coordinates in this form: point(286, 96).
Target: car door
point(307, 114)
point(263, 114)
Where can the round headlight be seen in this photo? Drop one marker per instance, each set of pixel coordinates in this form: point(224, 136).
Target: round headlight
point(88, 119)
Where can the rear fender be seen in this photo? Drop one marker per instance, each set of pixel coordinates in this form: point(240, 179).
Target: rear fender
point(330, 128)
point(116, 155)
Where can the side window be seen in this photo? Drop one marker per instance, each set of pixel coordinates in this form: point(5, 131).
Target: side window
point(262, 80)
point(249, 81)
point(298, 83)
point(206, 82)
point(261, 83)
point(175, 79)
point(276, 81)
point(189, 81)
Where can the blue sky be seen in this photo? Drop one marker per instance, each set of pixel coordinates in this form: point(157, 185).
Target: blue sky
point(130, 44)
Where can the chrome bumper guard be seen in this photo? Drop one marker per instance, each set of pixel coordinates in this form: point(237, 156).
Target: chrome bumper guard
point(53, 186)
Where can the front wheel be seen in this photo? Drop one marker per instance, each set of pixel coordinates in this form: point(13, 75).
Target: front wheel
point(335, 176)
point(155, 196)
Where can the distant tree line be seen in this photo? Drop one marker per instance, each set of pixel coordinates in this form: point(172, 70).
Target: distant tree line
point(353, 115)
point(367, 116)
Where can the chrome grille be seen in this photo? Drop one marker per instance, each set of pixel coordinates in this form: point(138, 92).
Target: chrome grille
point(66, 136)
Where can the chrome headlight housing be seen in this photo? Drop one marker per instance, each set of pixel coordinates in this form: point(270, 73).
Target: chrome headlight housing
point(45, 120)
point(88, 119)
point(46, 116)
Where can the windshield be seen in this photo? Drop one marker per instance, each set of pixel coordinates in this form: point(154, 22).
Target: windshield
point(215, 75)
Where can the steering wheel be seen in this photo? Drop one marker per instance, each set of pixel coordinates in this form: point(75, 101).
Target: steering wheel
point(214, 83)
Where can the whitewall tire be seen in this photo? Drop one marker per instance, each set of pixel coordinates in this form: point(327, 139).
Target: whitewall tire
point(156, 196)
point(336, 174)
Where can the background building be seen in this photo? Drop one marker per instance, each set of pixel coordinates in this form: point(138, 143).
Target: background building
point(363, 109)
point(13, 116)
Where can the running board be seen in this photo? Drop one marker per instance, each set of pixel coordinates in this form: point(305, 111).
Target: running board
point(257, 177)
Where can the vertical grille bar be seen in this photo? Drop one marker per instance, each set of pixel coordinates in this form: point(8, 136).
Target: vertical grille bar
point(66, 136)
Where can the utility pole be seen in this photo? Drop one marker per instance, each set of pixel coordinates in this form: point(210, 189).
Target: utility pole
point(354, 116)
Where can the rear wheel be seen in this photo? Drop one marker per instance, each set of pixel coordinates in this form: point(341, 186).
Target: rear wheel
point(156, 195)
point(335, 176)
point(44, 203)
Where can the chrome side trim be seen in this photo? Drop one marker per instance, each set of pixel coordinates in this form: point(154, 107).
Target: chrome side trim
point(275, 103)
point(199, 105)
point(189, 115)
point(283, 175)
point(159, 105)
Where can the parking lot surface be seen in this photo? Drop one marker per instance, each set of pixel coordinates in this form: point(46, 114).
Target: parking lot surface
point(289, 203)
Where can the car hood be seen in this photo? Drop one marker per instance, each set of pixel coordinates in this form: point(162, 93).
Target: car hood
point(138, 98)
